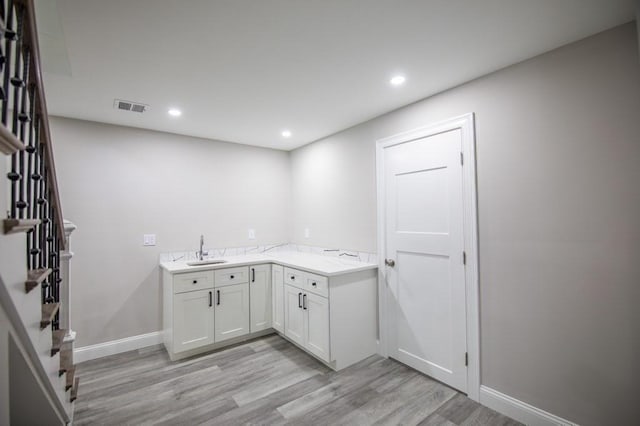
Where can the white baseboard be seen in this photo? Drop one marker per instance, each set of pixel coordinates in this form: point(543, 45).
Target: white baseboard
point(113, 347)
point(518, 410)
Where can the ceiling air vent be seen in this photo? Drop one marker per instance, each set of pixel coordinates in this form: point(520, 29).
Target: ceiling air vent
point(130, 106)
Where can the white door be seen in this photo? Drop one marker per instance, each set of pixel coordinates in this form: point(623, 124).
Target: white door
point(277, 284)
point(424, 237)
point(193, 320)
point(316, 325)
point(293, 314)
point(260, 297)
point(231, 311)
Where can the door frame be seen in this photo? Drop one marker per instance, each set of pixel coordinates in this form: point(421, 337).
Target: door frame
point(466, 124)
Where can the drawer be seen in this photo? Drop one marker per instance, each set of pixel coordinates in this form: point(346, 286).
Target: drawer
point(192, 281)
point(230, 276)
point(294, 277)
point(317, 284)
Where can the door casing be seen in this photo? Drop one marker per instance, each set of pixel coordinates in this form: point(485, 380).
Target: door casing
point(465, 123)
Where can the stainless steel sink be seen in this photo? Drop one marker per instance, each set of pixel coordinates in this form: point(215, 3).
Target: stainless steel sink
point(206, 262)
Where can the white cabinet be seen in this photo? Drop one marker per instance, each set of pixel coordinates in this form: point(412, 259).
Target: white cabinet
point(277, 297)
point(193, 316)
point(293, 314)
point(231, 311)
point(332, 318)
point(203, 308)
point(260, 297)
point(307, 321)
point(316, 325)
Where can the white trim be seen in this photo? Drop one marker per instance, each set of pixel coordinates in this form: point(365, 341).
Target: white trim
point(113, 347)
point(518, 410)
point(470, 224)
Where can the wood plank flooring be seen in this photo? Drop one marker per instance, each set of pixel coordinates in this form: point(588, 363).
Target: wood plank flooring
point(267, 381)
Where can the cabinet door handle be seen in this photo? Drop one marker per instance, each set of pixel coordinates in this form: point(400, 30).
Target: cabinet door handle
point(253, 275)
point(299, 300)
point(304, 302)
point(218, 294)
point(210, 299)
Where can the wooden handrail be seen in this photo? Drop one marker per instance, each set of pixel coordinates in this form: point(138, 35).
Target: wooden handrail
point(35, 71)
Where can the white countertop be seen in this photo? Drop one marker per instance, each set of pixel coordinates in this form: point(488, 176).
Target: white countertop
point(317, 264)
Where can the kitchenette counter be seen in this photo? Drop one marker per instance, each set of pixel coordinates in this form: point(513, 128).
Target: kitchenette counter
point(314, 263)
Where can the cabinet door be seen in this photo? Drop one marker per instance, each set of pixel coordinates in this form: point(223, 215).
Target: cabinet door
point(193, 320)
point(277, 284)
point(293, 314)
point(316, 325)
point(260, 297)
point(231, 311)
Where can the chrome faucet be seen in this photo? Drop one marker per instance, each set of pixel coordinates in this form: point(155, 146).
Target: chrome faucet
point(201, 253)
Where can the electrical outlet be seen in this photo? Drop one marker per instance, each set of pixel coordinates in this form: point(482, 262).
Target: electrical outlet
point(149, 239)
point(307, 233)
point(252, 234)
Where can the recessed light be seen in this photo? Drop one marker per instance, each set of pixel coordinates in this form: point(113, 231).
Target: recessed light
point(397, 80)
point(174, 112)
point(286, 134)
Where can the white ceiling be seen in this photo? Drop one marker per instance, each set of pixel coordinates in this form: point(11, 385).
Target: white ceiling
point(244, 70)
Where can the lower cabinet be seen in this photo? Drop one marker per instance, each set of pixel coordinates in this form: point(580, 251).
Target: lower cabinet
point(277, 297)
point(231, 311)
point(193, 316)
point(316, 326)
point(332, 318)
point(203, 308)
point(293, 314)
point(307, 321)
point(260, 297)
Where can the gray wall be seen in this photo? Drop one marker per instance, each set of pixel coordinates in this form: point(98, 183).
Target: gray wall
point(118, 183)
point(558, 165)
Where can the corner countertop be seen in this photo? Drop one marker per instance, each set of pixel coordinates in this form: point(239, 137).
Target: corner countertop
point(317, 264)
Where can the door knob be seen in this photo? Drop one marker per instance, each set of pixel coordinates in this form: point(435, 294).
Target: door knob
point(390, 262)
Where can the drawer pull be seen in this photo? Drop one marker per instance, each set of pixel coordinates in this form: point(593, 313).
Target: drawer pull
point(293, 277)
point(231, 277)
point(314, 284)
point(195, 281)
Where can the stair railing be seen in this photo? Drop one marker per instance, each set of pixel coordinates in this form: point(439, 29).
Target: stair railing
point(34, 204)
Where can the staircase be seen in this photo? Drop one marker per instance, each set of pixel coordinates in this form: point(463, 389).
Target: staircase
point(37, 375)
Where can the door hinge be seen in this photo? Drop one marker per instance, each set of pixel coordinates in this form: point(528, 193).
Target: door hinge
point(464, 257)
point(466, 359)
point(461, 159)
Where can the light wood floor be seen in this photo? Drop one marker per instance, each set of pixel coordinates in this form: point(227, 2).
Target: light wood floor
point(266, 381)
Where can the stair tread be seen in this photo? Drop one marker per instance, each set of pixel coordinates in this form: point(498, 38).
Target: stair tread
point(74, 390)
point(71, 373)
point(58, 340)
point(35, 278)
point(13, 226)
point(48, 312)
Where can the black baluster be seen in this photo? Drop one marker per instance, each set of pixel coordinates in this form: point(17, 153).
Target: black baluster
point(18, 85)
point(55, 259)
point(43, 210)
point(48, 260)
point(24, 122)
point(32, 149)
point(8, 50)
